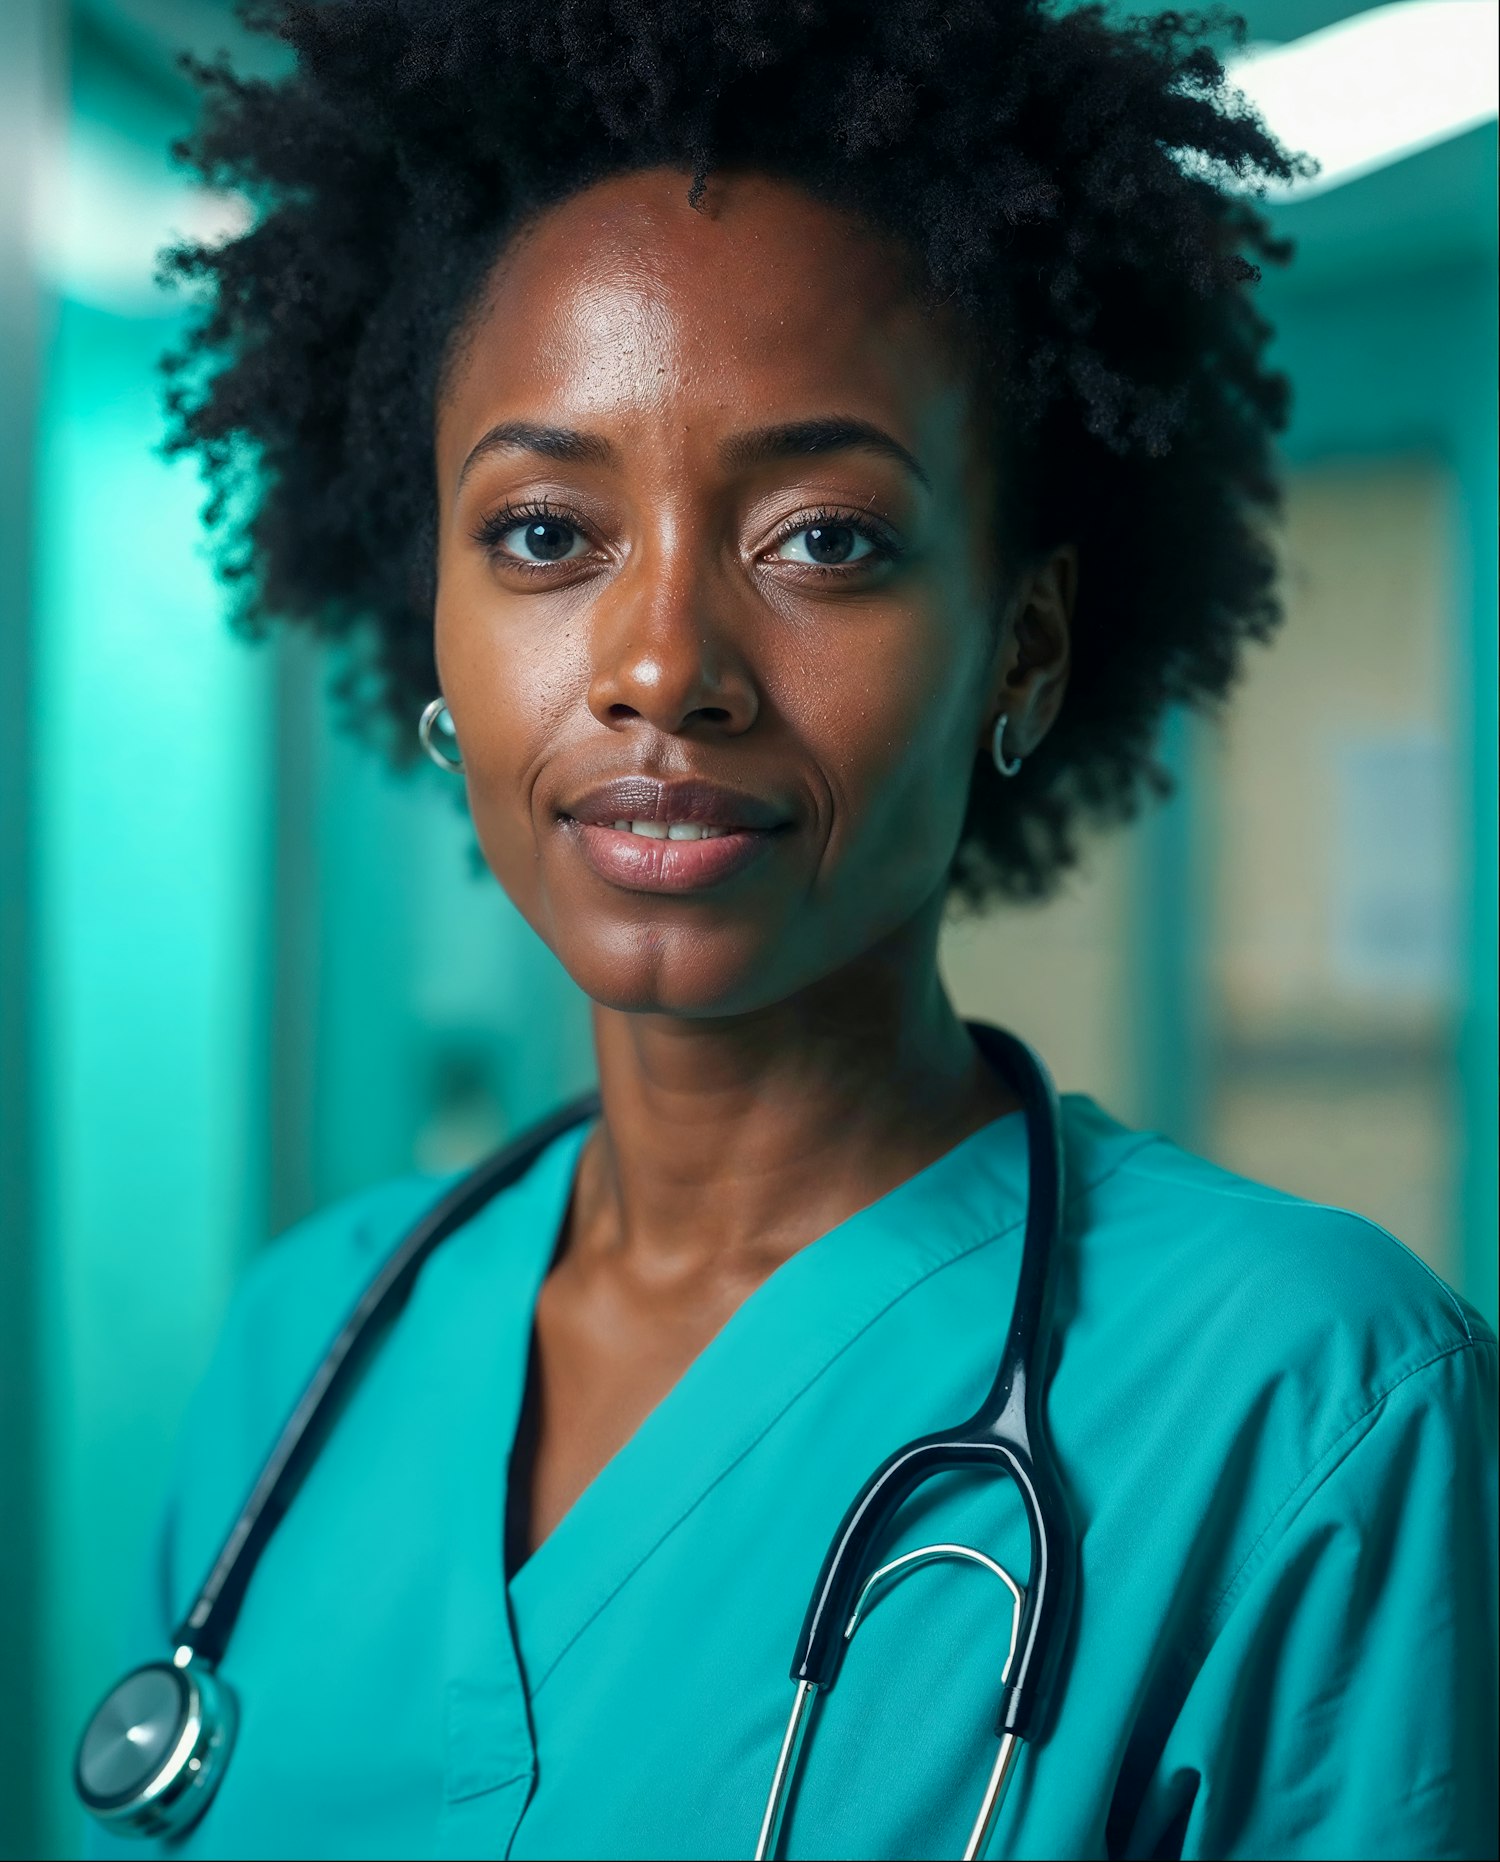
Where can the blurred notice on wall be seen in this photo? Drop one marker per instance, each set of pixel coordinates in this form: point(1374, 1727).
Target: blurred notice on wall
point(1392, 881)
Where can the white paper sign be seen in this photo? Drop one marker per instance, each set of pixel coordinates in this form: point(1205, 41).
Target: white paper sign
point(1392, 897)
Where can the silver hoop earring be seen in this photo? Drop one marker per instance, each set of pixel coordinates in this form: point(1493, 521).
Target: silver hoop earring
point(436, 714)
point(997, 749)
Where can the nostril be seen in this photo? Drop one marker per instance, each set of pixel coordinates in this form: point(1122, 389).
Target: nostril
point(704, 714)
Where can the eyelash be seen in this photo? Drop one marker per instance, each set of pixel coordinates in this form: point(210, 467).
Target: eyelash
point(496, 525)
point(491, 528)
point(884, 546)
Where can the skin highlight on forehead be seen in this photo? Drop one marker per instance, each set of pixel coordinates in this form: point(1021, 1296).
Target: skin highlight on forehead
point(625, 299)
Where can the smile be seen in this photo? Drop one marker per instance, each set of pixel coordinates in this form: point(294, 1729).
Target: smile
point(686, 833)
point(668, 856)
point(670, 830)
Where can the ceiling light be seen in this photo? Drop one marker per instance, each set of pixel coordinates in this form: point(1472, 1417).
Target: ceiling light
point(1375, 87)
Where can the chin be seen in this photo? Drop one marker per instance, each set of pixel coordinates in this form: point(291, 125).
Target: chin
point(646, 968)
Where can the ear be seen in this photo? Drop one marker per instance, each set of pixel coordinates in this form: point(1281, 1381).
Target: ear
point(1034, 653)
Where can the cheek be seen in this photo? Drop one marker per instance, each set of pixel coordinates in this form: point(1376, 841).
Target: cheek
point(893, 725)
point(512, 691)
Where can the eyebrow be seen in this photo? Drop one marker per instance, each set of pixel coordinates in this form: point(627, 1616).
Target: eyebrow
point(802, 439)
point(796, 439)
point(564, 444)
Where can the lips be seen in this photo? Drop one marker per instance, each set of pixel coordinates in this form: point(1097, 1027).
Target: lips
point(675, 799)
point(746, 826)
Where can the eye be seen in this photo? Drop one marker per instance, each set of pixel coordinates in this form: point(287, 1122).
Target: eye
point(827, 544)
point(540, 539)
point(531, 536)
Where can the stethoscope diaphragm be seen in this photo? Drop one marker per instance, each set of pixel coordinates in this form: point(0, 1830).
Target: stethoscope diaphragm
point(155, 1748)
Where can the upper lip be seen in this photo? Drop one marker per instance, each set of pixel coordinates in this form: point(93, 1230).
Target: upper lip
point(655, 798)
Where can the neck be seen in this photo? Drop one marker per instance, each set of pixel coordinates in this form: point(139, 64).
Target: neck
point(744, 1137)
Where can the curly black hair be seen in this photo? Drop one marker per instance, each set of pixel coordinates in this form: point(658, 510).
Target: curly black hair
point(1082, 190)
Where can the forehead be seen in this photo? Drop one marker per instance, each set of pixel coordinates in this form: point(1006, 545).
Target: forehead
point(764, 303)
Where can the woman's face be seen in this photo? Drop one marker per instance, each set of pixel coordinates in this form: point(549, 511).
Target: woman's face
point(712, 553)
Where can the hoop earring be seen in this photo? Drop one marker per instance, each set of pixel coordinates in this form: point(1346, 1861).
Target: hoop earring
point(997, 749)
point(438, 710)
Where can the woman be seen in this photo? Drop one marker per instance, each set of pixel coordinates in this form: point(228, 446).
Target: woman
point(805, 447)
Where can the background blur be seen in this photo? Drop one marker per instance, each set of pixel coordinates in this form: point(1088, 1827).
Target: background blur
point(242, 971)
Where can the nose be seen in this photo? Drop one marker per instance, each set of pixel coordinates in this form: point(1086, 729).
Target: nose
point(665, 647)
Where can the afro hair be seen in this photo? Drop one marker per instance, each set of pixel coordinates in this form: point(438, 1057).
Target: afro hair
point(1081, 189)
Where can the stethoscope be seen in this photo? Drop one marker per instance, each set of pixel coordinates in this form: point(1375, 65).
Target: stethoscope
point(157, 1745)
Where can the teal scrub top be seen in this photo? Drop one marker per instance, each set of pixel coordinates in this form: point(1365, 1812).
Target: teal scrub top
point(1276, 1425)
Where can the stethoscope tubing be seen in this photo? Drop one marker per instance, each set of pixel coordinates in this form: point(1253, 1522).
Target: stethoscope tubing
point(206, 1628)
point(1007, 1435)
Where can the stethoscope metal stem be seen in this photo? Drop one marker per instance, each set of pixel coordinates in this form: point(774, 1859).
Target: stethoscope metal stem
point(790, 1756)
point(994, 1796)
point(786, 1769)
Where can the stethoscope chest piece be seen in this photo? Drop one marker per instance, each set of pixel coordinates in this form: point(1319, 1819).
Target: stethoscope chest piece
point(154, 1751)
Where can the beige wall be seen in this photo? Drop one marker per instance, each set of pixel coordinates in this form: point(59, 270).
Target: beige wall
point(1058, 975)
point(1331, 789)
point(1323, 834)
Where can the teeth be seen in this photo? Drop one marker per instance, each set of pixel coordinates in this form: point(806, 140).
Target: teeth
point(674, 830)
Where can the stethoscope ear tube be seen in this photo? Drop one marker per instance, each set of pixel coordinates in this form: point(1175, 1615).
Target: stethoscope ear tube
point(1014, 1412)
point(1006, 1435)
point(1028, 1695)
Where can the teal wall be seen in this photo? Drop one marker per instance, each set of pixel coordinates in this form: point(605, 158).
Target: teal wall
point(30, 100)
point(149, 790)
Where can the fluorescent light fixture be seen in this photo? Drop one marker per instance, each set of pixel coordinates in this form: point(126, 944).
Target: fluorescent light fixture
point(106, 208)
point(1375, 87)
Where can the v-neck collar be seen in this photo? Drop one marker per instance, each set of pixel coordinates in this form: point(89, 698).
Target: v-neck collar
point(772, 1348)
point(485, 1282)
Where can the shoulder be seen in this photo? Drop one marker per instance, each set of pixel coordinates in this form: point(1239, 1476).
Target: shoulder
point(1256, 1287)
point(296, 1292)
point(290, 1303)
point(287, 1306)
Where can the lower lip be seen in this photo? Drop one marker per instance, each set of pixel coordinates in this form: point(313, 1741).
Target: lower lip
point(650, 865)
